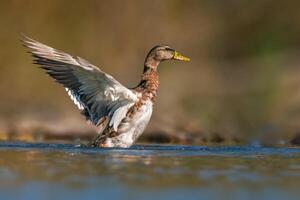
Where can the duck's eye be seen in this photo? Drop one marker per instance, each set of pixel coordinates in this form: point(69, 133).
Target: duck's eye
point(169, 49)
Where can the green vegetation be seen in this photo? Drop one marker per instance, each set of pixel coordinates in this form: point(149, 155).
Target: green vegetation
point(241, 84)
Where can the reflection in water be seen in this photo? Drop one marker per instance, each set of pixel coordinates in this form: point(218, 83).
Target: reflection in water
point(32, 171)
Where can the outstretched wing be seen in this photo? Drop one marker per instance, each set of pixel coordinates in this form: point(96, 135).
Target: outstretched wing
point(96, 93)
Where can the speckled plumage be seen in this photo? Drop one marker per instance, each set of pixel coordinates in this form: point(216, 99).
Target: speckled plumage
point(120, 114)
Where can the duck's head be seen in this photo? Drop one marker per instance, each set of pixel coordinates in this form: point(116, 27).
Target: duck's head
point(161, 53)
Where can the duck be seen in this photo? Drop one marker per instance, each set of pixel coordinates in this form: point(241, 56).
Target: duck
point(120, 114)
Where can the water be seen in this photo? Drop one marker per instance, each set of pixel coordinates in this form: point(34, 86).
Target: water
point(63, 171)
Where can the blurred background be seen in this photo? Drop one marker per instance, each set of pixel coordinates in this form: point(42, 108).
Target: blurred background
point(242, 84)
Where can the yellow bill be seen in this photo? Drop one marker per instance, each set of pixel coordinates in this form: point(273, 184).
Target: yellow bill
point(178, 56)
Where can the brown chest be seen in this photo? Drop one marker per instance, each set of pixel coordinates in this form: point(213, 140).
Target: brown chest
point(147, 90)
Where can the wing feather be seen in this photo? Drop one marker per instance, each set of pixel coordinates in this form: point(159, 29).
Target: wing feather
point(94, 92)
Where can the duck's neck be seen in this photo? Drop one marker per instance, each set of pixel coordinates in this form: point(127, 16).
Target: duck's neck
point(149, 83)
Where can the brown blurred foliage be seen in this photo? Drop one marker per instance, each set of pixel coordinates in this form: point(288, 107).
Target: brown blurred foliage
point(242, 81)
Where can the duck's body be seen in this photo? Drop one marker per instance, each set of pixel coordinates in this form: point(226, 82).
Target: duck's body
point(137, 117)
point(130, 129)
point(120, 114)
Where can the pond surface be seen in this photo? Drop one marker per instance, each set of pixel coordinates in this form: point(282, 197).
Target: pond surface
point(64, 171)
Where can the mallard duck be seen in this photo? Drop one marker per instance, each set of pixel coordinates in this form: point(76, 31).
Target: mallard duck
point(119, 113)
